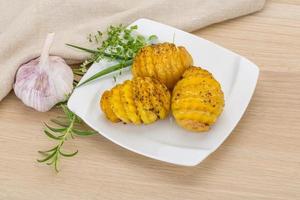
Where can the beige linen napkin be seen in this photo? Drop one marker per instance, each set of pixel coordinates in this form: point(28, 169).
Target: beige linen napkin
point(25, 24)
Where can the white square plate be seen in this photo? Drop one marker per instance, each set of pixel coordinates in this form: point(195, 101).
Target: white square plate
point(164, 140)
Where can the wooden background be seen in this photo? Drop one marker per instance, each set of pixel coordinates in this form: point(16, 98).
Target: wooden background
point(260, 160)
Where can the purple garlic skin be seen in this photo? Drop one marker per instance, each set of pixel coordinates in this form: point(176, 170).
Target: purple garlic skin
point(45, 81)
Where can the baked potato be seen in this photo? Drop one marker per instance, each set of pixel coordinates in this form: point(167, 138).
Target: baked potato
point(164, 62)
point(197, 100)
point(140, 100)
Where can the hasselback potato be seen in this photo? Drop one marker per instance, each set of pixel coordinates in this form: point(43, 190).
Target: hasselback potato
point(140, 100)
point(197, 100)
point(164, 62)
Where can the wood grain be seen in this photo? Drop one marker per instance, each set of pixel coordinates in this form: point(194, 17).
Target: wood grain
point(260, 160)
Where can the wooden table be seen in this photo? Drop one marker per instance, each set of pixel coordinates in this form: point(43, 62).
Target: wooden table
point(260, 160)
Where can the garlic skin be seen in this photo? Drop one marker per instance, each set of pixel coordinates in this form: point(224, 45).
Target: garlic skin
point(45, 81)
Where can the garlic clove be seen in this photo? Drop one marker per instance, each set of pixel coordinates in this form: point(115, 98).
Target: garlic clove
point(45, 81)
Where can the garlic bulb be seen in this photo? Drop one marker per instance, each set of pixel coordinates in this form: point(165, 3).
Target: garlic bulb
point(43, 82)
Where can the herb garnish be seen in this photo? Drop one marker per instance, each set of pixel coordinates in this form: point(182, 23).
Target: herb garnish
point(65, 129)
point(121, 44)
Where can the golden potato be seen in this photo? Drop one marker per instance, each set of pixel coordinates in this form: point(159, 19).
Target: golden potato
point(164, 62)
point(128, 102)
point(161, 99)
point(117, 105)
point(197, 100)
point(105, 106)
point(141, 100)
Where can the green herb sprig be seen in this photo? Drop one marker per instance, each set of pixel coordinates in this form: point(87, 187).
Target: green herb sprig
point(65, 128)
point(121, 44)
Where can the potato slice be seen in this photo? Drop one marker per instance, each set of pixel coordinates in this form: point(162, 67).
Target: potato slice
point(106, 107)
point(164, 96)
point(126, 94)
point(157, 98)
point(142, 101)
point(117, 105)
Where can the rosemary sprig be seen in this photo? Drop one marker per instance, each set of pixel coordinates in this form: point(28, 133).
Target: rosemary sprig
point(65, 128)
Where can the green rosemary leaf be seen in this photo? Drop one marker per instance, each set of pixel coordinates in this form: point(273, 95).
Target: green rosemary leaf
point(83, 133)
point(79, 73)
point(56, 164)
point(52, 136)
point(75, 70)
point(43, 153)
point(54, 129)
point(107, 71)
point(50, 150)
point(50, 163)
point(59, 123)
point(78, 121)
point(47, 158)
point(61, 117)
point(68, 154)
point(67, 112)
